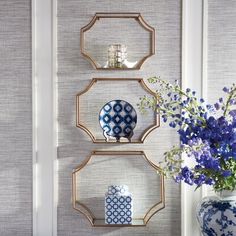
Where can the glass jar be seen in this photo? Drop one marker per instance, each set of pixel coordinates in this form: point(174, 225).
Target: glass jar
point(117, 55)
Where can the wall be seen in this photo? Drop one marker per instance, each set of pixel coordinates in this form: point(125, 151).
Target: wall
point(221, 46)
point(75, 73)
point(15, 118)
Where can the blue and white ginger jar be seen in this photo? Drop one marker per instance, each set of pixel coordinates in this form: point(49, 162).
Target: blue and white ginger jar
point(118, 205)
point(217, 215)
point(118, 119)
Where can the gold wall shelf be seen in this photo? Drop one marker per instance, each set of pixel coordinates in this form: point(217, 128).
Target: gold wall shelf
point(151, 122)
point(100, 222)
point(119, 29)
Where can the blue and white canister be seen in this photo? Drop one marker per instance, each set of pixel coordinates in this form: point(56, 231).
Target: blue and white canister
point(217, 215)
point(118, 205)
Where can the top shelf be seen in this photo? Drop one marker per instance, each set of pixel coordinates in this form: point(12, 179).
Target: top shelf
point(117, 41)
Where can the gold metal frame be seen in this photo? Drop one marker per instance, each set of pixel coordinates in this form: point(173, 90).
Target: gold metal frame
point(136, 16)
point(78, 206)
point(94, 80)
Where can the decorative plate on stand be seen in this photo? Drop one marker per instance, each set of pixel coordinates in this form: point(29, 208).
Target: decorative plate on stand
point(118, 119)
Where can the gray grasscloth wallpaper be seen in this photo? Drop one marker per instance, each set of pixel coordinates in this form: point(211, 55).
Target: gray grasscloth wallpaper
point(221, 46)
point(15, 118)
point(74, 74)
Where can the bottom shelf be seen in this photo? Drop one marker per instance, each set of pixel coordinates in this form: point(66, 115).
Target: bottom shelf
point(88, 190)
point(101, 223)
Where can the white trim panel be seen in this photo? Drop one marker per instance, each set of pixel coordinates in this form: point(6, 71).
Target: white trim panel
point(193, 73)
point(44, 118)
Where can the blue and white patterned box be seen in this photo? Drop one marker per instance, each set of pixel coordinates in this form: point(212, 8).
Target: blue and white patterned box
point(118, 205)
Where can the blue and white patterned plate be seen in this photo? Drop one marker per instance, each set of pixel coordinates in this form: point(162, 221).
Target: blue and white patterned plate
point(118, 119)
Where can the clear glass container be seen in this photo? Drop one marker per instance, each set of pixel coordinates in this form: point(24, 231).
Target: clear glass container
point(117, 55)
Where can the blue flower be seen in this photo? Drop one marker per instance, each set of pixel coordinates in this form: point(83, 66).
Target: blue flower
point(177, 179)
point(226, 173)
point(233, 114)
point(200, 180)
point(202, 100)
point(206, 138)
point(217, 106)
point(172, 124)
point(187, 175)
point(164, 118)
point(212, 122)
point(232, 101)
point(226, 90)
point(209, 181)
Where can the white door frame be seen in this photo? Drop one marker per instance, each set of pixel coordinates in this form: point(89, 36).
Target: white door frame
point(44, 95)
point(194, 75)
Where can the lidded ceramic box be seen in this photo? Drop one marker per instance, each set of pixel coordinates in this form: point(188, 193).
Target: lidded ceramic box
point(118, 205)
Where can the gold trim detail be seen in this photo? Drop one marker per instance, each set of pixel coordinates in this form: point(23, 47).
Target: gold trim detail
point(94, 139)
point(78, 206)
point(135, 16)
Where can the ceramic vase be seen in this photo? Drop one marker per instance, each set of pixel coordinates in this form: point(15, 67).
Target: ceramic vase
point(217, 215)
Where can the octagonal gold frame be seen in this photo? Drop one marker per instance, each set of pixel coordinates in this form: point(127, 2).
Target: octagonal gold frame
point(94, 139)
point(78, 206)
point(135, 16)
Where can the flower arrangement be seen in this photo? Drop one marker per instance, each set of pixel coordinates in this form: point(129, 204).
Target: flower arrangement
point(207, 135)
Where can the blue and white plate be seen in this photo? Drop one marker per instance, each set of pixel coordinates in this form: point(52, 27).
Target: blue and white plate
point(118, 119)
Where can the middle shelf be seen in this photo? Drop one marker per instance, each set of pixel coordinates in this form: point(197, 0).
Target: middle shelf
point(122, 115)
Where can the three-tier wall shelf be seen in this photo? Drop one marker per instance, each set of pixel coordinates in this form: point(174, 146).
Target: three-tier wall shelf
point(107, 110)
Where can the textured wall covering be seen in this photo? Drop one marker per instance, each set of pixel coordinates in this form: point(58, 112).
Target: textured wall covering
point(75, 73)
point(15, 118)
point(221, 46)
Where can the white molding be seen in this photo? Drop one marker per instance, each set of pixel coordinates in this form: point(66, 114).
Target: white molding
point(204, 48)
point(204, 89)
point(34, 120)
point(194, 75)
point(55, 89)
point(44, 97)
